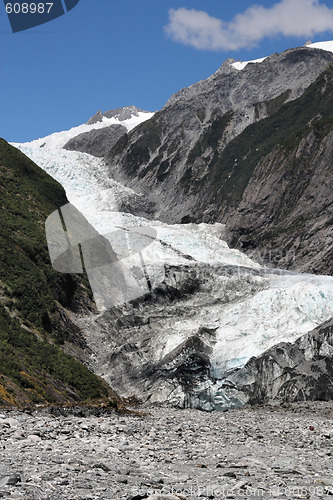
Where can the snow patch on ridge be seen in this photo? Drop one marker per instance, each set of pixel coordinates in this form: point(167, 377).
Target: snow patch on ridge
point(317, 45)
point(59, 139)
point(322, 45)
point(241, 64)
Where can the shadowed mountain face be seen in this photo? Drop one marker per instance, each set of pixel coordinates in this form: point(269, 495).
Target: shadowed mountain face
point(36, 302)
point(96, 142)
point(251, 148)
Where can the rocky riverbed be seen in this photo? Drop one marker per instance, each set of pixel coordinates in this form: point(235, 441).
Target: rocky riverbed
point(168, 454)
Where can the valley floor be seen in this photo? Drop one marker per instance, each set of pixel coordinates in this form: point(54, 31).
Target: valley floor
point(267, 452)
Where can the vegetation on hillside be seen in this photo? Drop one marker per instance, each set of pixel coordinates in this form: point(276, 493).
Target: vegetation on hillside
point(33, 296)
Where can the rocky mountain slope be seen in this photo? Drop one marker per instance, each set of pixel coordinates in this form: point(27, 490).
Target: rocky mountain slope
point(38, 337)
point(251, 148)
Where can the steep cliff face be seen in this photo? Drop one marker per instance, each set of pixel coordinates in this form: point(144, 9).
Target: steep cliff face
point(38, 337)
point(285, 206)
point(248, 148)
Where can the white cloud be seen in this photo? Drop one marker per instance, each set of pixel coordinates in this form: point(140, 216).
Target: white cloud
point(288, 18)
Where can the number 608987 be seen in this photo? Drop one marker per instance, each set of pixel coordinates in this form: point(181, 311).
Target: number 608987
point(29, 8)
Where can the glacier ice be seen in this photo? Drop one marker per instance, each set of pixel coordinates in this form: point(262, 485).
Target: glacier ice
point(284, 305)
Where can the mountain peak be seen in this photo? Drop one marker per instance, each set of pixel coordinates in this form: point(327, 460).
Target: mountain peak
point(120, 114)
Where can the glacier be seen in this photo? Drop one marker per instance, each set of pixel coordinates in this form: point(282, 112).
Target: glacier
point(250, 310)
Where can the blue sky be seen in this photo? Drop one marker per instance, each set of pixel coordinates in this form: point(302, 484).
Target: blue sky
point(106, 54)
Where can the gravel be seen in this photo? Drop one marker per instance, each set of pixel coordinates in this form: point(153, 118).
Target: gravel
point(168, 454)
